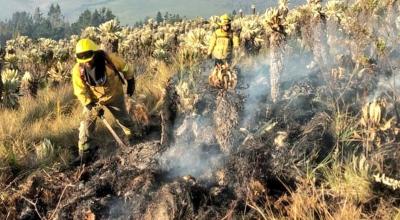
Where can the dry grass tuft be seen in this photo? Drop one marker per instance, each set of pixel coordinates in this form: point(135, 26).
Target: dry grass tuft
point(349, 180)
point(40, 129)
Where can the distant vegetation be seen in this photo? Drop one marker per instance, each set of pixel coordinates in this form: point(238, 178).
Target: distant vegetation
point(167, 17)
point(53, 25)
point(319, 140)
point(50, 25)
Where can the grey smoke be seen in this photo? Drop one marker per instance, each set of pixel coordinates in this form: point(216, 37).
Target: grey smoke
point(193, 153)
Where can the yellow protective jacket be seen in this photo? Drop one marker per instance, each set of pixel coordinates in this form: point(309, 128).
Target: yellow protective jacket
point(222, 44)
point(107, 93)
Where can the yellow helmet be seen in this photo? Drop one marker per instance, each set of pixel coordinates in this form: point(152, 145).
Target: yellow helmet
point(225, 20)
point(85, 49)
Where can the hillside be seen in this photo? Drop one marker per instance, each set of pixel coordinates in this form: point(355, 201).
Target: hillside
point(130, 11)
point(304, 122)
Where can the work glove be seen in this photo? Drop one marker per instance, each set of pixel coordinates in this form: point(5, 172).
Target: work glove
point(130, 89)
point(99, 112)
point(90, 106)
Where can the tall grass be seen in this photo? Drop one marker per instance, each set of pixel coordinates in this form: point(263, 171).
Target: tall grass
point(350, 180)
point(45, 129)
point(151, 85)
point(345, 191)
point(49, 121)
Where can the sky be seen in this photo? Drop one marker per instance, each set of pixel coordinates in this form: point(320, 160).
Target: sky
point(130, 11)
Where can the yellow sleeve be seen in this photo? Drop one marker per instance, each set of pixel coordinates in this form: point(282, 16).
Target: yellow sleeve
point(122, 66)
point(213, 40)
point(81, 91)
point(236, 41)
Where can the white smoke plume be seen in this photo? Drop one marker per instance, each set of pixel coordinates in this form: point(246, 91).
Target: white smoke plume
point(193, 152)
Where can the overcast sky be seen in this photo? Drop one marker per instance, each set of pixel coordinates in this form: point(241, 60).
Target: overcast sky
point(130, 11)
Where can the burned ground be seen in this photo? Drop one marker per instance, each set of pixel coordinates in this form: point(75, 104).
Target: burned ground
point(141, 182)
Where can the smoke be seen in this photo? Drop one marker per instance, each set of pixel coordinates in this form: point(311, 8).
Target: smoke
point(194, 152)
point(386, 86)
point(255, 79)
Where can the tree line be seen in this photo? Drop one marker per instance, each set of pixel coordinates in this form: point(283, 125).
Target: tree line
point(51, 25)
point(167, 17)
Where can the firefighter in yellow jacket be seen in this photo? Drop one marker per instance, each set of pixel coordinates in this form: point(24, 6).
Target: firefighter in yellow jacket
point(97, 79)
point(223, 42)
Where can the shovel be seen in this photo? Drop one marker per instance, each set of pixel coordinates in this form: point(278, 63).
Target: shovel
point(114, 134)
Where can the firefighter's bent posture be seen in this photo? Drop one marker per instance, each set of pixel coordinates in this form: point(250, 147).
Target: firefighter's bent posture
point(97, 79)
